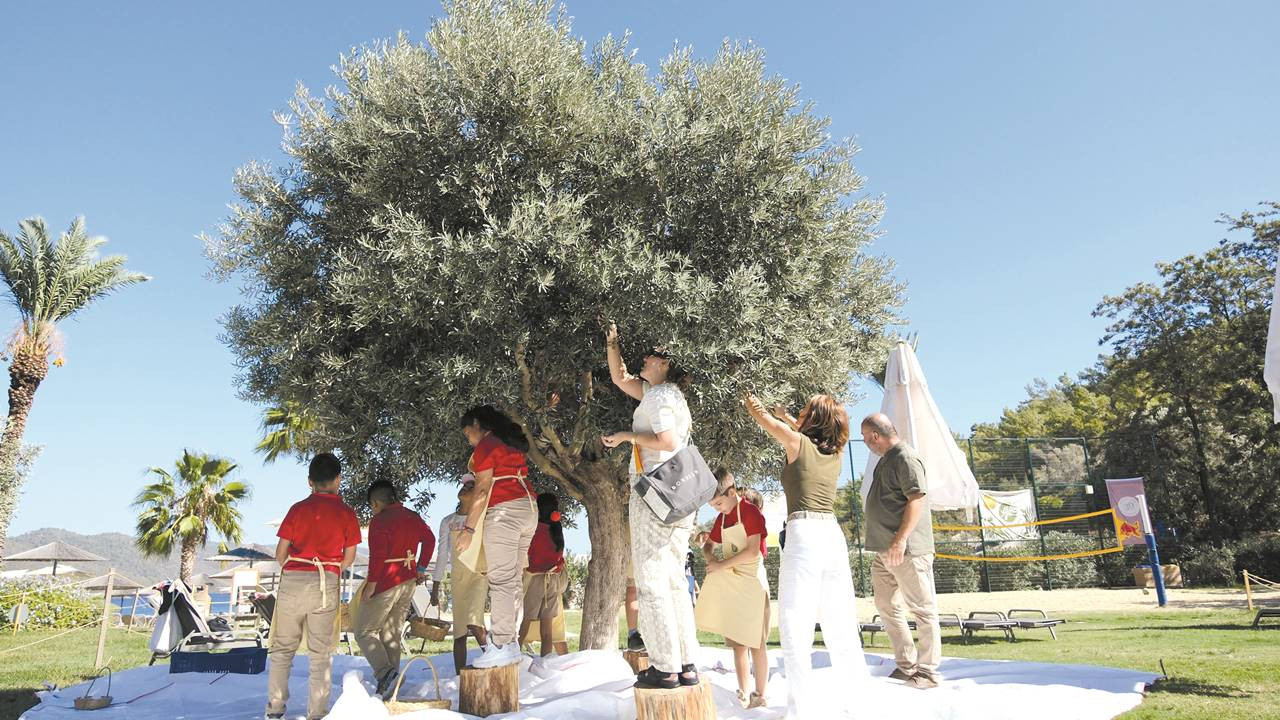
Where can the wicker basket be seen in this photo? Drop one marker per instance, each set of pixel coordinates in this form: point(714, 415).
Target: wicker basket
point(433, 629)
point(95, 702)
point(396, 706)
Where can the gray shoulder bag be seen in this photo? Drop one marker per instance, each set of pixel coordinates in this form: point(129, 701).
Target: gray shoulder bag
point(678, 487)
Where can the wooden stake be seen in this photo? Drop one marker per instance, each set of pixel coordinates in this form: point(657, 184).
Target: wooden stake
point(637, 659)
point(682, 703)
point(1248, 591)
point(133, 612)
point(489, 691)
point(106, 617)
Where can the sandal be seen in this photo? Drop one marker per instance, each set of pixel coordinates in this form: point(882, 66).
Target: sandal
point(757, 700)
point(685, 672)
point(652, 678)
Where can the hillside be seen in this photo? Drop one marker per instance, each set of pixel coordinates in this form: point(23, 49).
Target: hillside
point(117, 548)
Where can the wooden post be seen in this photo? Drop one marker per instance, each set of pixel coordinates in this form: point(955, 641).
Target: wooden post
point(637, 659)
point(106, 618)
point(133, 612)
point(22, 603)
point(489, 691)
point(682, 703)
point(1248, 591)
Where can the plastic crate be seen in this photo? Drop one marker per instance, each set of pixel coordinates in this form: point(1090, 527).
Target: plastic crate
point(241, 661)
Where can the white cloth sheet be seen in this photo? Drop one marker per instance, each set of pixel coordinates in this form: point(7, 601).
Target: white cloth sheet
point(597, 684)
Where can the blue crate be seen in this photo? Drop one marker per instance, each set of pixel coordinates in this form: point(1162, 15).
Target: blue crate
point(242, 661)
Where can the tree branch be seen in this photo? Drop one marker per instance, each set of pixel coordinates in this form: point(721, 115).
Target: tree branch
point(580, 426)
point(526, 392)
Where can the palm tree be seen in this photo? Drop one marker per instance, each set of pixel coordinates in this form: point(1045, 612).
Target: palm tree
point(47, 282)
point(287, 429)
point(178, 508)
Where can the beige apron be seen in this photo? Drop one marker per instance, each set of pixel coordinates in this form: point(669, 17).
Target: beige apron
point(734, 602)
point(473, 557)
point(342, 609)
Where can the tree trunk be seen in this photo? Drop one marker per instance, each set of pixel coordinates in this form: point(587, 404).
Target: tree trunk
point(605, 500)
point(27, 371)
point(187, 559)
point(1202, 467)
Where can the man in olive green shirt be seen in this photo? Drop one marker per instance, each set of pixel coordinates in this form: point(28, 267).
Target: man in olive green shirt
point(899, 529)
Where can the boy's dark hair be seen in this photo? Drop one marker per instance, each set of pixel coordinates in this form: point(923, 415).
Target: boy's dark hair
point(383, 491)
point(324, 469)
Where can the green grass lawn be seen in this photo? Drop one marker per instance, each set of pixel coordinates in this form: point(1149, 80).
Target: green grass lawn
point(1218, 667)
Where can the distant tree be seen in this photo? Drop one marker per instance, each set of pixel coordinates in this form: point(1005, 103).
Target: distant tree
point(47, 282)
point(178, 508)
point(457, 219)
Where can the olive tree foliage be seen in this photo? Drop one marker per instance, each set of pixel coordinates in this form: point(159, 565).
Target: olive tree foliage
point(458, 218)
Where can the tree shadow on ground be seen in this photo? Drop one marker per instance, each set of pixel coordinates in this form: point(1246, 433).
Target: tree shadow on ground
point(1187, 686)
point(14, 702)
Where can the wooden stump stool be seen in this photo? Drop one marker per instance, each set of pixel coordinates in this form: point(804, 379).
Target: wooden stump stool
point(682, 703)
point(489, 691)
point(637, 659)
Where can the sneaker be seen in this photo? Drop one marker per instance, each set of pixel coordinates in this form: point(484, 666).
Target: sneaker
point(654, 679)
point(899, 674)
point(634, 641)
point(921, 682)
point(273, 716)
point(757, 700)
point(387, 684)
point(498, 655)
point(685, 672)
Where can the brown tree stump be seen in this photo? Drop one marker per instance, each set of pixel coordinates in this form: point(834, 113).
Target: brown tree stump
point(682, 703)
point(489, 691)
point(637, 659)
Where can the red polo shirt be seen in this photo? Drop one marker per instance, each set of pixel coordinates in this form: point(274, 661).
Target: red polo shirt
point(321, 527)
point(504, 460)
point(752, 523)
point(393, 534)
point(543, 556)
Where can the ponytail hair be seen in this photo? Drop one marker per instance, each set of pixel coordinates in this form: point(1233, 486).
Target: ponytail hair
point(549, 513)
point(495, 421)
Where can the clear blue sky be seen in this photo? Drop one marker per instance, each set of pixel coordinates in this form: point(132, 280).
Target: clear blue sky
point(1033, 157)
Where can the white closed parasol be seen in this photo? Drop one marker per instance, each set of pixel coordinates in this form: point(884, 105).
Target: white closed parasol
point(912, 410)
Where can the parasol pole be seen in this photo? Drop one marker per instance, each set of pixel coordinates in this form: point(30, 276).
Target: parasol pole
point(106, 616)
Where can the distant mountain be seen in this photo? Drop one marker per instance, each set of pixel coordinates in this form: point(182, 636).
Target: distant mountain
point(117, 548)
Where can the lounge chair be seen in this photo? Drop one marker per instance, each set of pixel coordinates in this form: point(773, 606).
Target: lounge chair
point(1038, 619)
point(181, 626)
point(988, 620)
point(877, 626)
point(1265, 613)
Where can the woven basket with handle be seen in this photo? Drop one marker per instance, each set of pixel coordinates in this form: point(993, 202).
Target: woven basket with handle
point(396, 706)
point(433, 629)
point(95, 702)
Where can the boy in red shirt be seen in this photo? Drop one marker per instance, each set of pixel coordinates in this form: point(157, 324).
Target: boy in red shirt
point(396, 566)
point(318, 540)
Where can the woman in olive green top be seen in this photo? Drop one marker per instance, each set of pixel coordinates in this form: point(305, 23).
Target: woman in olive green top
point(814, 584)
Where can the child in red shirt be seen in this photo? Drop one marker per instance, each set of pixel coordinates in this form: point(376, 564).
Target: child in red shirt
point(545, 579)
point(735, 593)
point(396, 567)
point(318, 540)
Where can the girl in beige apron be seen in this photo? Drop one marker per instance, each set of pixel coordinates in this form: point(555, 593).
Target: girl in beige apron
point(734, 601)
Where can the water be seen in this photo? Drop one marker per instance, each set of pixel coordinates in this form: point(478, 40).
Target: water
point(221, 604)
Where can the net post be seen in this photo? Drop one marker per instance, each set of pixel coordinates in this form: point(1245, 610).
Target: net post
point(1035, 499)
point(1248, 591)
point(982, 535)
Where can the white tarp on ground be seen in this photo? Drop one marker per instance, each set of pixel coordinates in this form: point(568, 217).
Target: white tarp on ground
point(597, 684)
point(910, 406)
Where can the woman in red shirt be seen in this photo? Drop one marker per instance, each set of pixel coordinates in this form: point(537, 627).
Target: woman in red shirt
point(500, 524)
point(544, 580)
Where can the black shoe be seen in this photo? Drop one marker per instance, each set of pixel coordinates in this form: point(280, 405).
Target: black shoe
point(635, 642)
point(654, 679)
point(386, 683)
point(685, 672)
point(900, 674)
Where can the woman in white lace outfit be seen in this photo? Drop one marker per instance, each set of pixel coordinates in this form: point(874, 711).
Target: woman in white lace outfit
point(660, 427)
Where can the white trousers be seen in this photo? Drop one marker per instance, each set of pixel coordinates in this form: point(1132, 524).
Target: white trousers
point(815, 586)
point(666, 621)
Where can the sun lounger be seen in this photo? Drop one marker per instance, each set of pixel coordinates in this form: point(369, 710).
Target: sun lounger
point(876, 626)
point(1038, 619)
point(988, 620)
point(1265, 613)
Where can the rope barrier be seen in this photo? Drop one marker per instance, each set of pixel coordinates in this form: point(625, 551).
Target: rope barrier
point(51, 637)
point(1108, 511)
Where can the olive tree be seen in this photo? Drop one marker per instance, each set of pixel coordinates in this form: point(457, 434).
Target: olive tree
point(457, 219)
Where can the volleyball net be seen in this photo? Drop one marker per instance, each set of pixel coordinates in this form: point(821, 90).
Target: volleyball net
point(1010, 550)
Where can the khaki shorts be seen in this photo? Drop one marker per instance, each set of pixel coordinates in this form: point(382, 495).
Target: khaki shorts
point(542, 594)
point(470, 593)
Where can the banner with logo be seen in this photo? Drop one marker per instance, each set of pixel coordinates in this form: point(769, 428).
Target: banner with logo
point(1129, 500)
point(1013, 507)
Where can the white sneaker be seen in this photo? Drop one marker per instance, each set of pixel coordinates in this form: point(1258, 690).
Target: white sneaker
point(498, 655)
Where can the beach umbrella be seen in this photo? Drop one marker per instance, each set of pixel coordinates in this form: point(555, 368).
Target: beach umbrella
point(252, 553)
point(55, 552)
point(46, 570)
point(910, 406)
point(120, 585)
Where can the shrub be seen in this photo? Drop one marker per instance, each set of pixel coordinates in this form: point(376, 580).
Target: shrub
point(1260, 555)
point(576, 568)
point(50, 603)
point(1209, 565)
